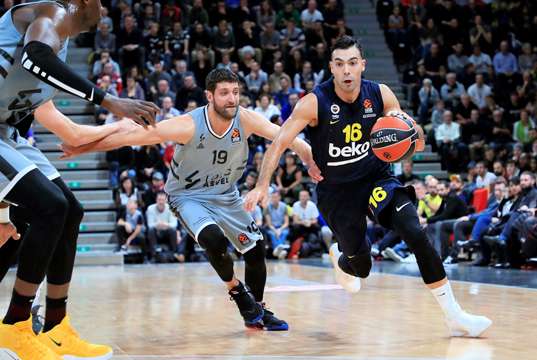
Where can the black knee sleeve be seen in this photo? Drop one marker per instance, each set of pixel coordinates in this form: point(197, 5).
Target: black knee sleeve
point(63, 259)
point(213, 240)
point(406, 223)
point(358, 265)
point(47, 208)
point(256, 270)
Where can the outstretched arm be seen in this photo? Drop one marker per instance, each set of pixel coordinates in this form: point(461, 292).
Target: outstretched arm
point(68, 131)
point(178, 129)
point(393, 108)
point(304, 113)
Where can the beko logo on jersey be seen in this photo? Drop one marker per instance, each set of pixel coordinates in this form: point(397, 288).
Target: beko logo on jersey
point(356, 151)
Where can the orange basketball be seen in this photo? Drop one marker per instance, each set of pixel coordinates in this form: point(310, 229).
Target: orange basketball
point(394, 138)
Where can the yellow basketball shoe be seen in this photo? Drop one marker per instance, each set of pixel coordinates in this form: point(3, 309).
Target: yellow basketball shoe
point(19, 342)
point(66, 342)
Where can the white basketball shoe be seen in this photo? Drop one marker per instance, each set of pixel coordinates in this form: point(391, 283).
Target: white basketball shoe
point(348, 282)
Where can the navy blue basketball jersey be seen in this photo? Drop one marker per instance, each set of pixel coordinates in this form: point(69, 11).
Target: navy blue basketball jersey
point(340, 141)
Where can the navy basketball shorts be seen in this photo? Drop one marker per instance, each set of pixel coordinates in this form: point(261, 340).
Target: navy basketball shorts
point(346, 206)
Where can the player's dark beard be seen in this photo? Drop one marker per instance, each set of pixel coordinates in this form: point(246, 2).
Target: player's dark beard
point(225, 112)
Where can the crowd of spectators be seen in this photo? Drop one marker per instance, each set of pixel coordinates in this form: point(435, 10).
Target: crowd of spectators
point(469, 68)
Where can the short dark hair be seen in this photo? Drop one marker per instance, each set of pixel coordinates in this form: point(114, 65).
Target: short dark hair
point(219, 75)
point(345, 42)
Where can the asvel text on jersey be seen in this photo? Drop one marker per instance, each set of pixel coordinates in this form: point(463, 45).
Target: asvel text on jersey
point(209, 163)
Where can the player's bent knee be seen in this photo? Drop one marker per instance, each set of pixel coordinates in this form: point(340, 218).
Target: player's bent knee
point(213, 239)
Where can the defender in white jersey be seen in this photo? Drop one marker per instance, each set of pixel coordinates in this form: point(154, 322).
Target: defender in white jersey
point(209, 159)
point(33, 47)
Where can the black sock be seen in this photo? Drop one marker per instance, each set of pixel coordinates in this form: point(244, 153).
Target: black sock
point(19, 308)
point(55, 312)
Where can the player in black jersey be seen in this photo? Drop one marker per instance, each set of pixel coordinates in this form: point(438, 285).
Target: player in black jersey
point(339, 114)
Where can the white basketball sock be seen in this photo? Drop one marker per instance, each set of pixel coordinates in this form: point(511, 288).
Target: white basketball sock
point(446, 300)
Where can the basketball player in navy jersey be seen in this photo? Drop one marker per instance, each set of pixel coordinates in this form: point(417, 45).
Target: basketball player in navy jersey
point(339, 114)
point(34, 41)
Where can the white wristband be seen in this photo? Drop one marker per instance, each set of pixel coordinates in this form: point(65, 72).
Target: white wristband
point(4, 215)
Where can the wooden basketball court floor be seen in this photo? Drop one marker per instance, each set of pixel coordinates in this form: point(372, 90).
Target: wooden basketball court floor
point(173, 312)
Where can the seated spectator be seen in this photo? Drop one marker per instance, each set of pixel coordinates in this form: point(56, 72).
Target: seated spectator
point(189, 91)
point(430, 201)
point(163, 91)
point(224, 40)
point(500, 137)
point(292, 37)
point(448, 141)
point(527, 59)
point(198, 14)
point(469, 124)
point(200, 39)
point(307, 74)
point(155, 76)
point(481, 61)
point(176, 43)
point(481, 35)
point(265, 14)
point(104, 39)
point(127, 191)
point(434, 61)
point(157, 185)
point(458, 60)
point(274, 78)
point(282, 97)
point(130, 45)
point(133, 90)
point(277, 225)
point(148, 160)
point(104, 58)
point(161, 226)
point(407, 175)
point(479, 91)
point(506, 68)
point(305, 228)
point(289, 178)
point(484, 177)
point(451, 91)
point(255, 78)
point(130, 228)
point(452, 208)
point(269, 40)
point(154, 42)
point(170, 15)
point(287, 13)
point(167, 110)
point(179, 72)
point(288, 108)
point(521, 129)
point(311, 15)
point(428, 96)
point(266, 108)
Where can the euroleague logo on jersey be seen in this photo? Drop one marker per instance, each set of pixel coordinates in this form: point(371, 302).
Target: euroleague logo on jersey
point(368, 109)
point(235, 136)
point(243, 238)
